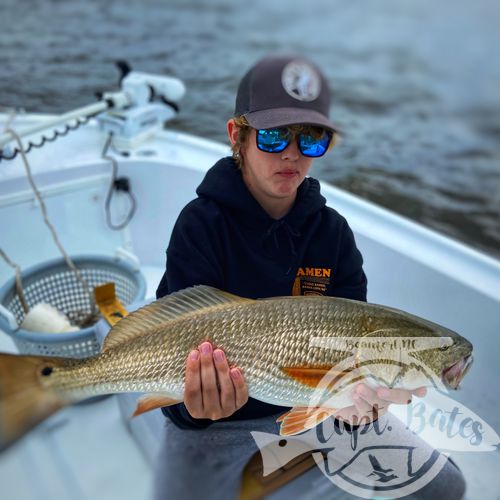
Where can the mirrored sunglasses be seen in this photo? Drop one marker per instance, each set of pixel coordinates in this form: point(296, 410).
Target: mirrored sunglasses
point(276, 140)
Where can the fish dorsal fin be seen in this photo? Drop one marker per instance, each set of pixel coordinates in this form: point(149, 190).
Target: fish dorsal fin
point(179, 304)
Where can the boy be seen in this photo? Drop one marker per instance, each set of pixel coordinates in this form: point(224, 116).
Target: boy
point(255, 229)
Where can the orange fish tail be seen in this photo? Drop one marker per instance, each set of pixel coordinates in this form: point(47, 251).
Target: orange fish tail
point(25, 397)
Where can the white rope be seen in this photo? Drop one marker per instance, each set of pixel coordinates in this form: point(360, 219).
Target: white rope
point(19, 282)
point(38, 196)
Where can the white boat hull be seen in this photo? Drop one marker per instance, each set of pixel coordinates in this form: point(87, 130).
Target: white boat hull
point(408, 266)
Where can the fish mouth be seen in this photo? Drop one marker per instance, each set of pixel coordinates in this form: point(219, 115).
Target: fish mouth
point(453, 375)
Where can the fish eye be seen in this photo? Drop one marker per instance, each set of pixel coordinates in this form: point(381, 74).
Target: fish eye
point(283, 442)
point(46, 371)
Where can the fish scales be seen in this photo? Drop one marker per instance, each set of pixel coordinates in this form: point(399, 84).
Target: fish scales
point(260, 337)
point(268, 339)
point(243, 333)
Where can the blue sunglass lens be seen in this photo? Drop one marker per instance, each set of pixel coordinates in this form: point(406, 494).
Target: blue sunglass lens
point(273, 140)
point(312, 146)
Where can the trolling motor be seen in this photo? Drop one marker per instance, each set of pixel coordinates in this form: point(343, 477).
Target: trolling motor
point(153, 102)
point(132, 114)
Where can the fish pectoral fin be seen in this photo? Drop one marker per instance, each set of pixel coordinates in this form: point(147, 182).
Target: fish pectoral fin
point(153, 401)
point(313, 376)
point(302, 418)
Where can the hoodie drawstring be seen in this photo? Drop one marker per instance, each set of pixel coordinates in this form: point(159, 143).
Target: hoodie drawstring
point(290, 234)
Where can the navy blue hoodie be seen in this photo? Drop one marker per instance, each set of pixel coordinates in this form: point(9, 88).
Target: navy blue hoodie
point(225, 239)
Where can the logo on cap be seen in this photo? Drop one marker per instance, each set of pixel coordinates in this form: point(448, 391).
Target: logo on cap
point(301, 81)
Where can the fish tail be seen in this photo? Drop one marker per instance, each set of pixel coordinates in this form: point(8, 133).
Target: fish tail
point(26, 399)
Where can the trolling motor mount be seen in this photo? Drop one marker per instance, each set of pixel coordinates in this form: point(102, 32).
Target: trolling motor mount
point(153, 101)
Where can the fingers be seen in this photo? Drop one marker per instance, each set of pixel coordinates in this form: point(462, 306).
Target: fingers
point(212, 389)
point(227, 398)
point(240, 387)
point(192, 391)
point(369, 397)
point(368, 404)
point(398, 396)
point(348, 414)
point(420, 392)
point(365, 411)
point(366, 408)
point(360, 413)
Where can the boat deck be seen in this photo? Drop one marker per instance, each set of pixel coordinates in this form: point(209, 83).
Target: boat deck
point(75, 455)
point(93, 451)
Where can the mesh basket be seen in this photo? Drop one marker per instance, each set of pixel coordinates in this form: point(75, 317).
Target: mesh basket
point(53, 282)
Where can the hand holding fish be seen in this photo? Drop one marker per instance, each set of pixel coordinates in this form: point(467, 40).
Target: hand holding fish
point(212, 389)
point(369, 404)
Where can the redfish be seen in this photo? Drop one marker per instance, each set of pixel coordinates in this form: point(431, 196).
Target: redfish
point(301, 352)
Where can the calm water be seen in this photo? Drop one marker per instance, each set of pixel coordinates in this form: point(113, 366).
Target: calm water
point(416, 84)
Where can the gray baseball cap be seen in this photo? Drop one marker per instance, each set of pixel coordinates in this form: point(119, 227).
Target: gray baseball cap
point(284, 90)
